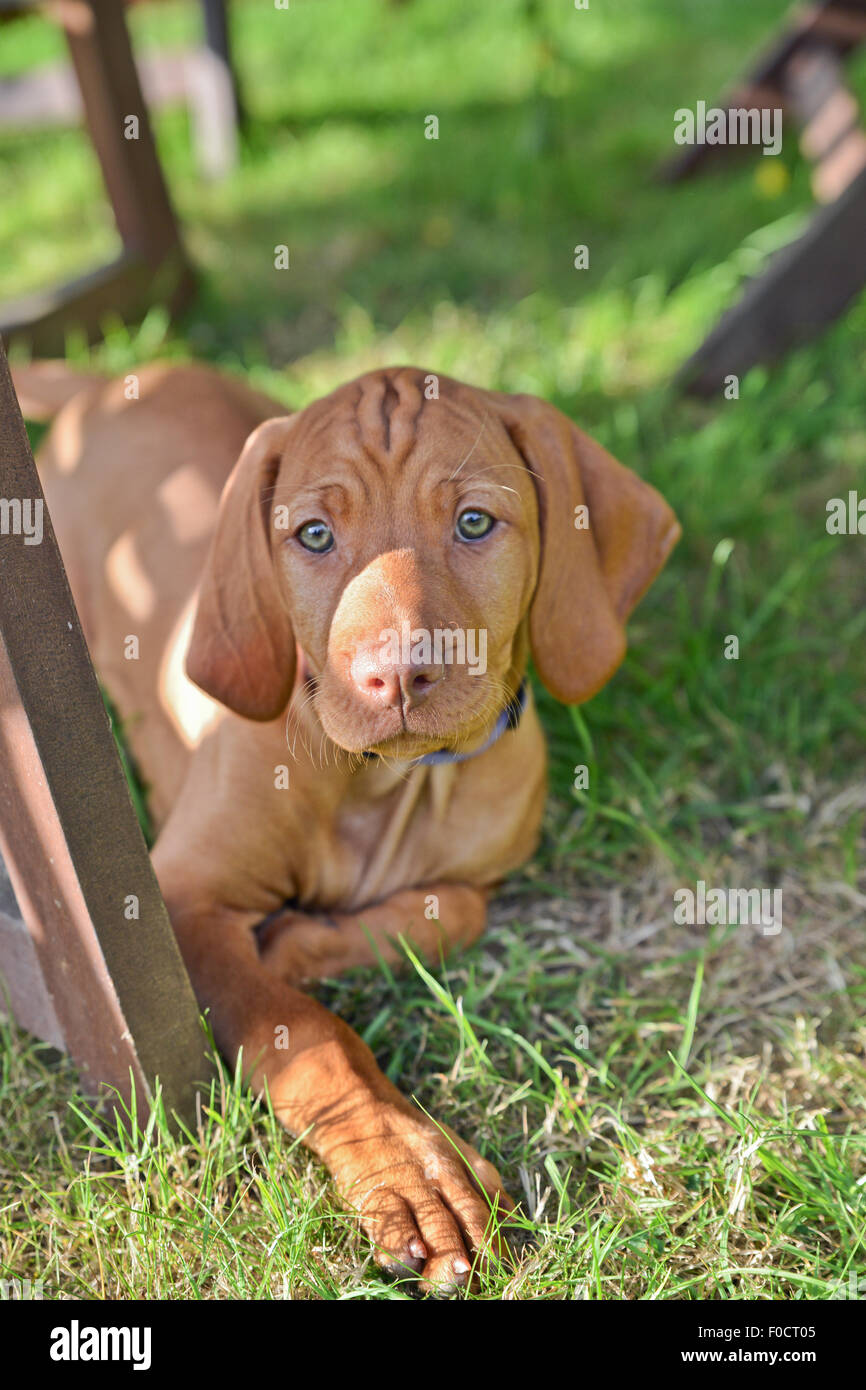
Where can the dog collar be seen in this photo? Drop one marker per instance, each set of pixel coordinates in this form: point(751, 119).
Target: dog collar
point(509, 718)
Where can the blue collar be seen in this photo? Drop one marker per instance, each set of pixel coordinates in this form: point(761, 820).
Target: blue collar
point(508, 719)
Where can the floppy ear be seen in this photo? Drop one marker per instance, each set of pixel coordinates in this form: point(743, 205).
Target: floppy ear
point(589, 579)
point(242, 649)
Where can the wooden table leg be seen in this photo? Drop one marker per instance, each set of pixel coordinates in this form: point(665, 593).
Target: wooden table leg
point(111, 971)
point(119, 126)
point(153, 267)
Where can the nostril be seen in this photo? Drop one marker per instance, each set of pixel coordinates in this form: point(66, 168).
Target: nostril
point(419, 684)
point(376, 683)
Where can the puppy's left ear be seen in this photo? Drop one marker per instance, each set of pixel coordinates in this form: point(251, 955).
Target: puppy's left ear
point(595, 565)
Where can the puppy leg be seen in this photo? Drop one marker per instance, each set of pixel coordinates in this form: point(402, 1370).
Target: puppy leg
point(424, 1197)
point(434, 919)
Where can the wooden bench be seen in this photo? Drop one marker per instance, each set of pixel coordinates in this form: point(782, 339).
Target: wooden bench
point(808, 284)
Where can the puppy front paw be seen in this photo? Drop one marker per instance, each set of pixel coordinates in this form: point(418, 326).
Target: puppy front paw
point(430, 1204)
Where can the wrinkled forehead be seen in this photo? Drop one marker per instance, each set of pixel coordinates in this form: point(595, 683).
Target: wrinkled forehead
point(402, 425)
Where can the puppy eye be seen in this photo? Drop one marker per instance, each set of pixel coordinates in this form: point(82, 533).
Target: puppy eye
point(315, 536)
point(473, 524)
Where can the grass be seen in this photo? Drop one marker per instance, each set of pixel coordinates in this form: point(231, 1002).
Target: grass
point(681, 1109)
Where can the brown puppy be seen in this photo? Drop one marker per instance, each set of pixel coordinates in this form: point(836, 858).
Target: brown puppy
point(347, 778)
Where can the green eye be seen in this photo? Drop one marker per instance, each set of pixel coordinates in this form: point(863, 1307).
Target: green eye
point(315, 536)
point(473, 524)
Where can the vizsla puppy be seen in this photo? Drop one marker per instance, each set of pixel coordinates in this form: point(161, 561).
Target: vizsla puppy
point(365, 762)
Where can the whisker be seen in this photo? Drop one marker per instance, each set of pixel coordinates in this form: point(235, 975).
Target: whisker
point(474, 446)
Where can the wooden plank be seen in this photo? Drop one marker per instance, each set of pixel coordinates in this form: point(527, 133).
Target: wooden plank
point(804, 288)
point(125, 288)
point(68, 831)
point(22, 988)
point(831, 136)
point(692, 159)
point(834, 26)
point(101, 54)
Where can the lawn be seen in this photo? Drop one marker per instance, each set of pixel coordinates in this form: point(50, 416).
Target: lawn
point(680, 1109)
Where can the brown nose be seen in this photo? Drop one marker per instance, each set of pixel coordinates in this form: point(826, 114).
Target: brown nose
point(389, 683)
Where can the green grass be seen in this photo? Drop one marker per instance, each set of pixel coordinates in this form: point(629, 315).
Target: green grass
point(703, 1138)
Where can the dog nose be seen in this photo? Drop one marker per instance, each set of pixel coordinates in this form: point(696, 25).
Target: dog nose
point(402, 686)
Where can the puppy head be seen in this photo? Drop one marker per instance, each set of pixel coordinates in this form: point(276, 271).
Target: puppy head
point(414, 546)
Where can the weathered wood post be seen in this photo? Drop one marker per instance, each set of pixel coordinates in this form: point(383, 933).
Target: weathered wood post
point(86, 946)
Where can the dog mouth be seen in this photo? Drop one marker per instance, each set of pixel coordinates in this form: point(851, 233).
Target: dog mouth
point(404, 734)
point(410, 743)
point(401, 733)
